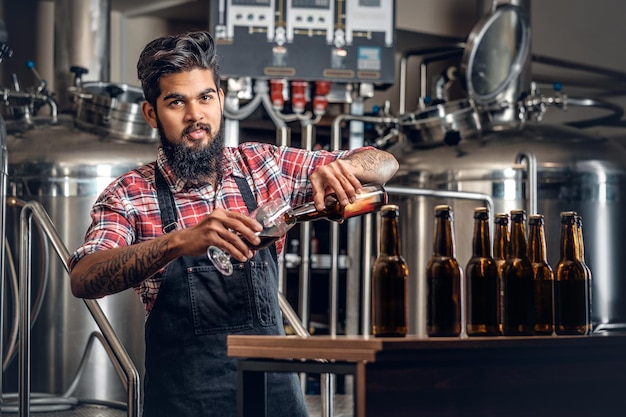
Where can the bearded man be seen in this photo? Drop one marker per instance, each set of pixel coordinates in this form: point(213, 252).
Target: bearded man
point(151, 228)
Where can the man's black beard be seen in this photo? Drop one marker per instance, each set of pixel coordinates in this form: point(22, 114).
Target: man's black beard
point(194, 164)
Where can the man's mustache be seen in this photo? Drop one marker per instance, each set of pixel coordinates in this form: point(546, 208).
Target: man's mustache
point(197, 126)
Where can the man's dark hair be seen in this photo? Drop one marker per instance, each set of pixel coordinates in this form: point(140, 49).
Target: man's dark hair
point(173, 54)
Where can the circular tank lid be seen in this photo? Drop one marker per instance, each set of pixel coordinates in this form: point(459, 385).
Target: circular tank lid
point(495, 52)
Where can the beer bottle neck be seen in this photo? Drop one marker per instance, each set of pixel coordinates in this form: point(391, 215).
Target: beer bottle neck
point(569, 242)
point(389, 239)
point(481, 244)
point(537, 244)
point(501, 241)
point(518, 240)
point(444, 238)
point(308, 212)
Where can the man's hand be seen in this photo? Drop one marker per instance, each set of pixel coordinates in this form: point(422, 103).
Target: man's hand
point(344, 176)
point(227, 230)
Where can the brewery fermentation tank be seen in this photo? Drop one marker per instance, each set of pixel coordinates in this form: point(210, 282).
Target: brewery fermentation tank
point(573, 171)
point(497, 146)
point(63, 162)
point(65, 168)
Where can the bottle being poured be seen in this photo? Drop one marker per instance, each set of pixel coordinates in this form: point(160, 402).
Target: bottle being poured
point(371, 198)
point(277, 218)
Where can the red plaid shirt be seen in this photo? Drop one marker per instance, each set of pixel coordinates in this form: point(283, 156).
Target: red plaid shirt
point(128, 212)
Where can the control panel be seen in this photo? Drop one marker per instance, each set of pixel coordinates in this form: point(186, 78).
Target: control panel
point(333, 40)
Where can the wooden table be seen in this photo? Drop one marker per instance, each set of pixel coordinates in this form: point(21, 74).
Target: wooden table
point(501, 376)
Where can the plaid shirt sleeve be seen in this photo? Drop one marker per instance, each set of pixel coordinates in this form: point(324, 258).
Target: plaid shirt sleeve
point(115, 216)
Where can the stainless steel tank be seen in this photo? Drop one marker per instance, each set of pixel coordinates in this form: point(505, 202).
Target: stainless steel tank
point(574, 171)
point(65, 168)
point(507, 154)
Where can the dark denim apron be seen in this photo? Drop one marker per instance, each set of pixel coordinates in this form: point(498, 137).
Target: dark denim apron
point(187, 371)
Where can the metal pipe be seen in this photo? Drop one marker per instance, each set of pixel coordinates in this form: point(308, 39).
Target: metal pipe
point(615, 116)
point(531, 175)
point(283, 138)
point(433, 58)
point(404, 63)
point(571, 65)
point(24, 291)
point(366, 262)
point(335, 135)
point(291, 316)
point(3, 194)
point(305, 241)
point(35, 209)
point(335, 144)
point(231, 123)
point(459, 195)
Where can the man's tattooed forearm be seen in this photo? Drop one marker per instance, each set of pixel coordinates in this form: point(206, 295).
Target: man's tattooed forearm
point(366, 161)
point(136, 263)
point(370, 162)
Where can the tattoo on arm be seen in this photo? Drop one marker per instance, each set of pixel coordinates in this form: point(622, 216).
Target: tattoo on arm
point(365, 161)
point(373, 164)
point(128, 268)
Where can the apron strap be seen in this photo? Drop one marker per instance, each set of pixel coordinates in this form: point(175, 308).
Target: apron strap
point(246, 193)
point(167, 205)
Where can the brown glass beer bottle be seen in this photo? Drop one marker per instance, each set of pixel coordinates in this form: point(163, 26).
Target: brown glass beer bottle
point(443, 279)
point(371, 198)
point(389, 279)
point(517, 282)
point(501, 238)
point(481, 281)
point(581, 247)
point(543, 276)
point(571, 285)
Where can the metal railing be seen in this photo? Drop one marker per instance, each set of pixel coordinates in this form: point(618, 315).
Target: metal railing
point(115, 349)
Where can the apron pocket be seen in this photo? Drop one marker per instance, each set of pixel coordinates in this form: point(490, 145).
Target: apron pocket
point(219, 304)
point(265, 293)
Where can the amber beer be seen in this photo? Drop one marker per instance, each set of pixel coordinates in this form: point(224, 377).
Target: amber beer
point(543, 276)
point(371, 198)
point(481, 281)
point(443, 279)
point(571, 284)
point(501, 239)
point(389, 280)
point(517, 282)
